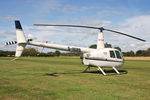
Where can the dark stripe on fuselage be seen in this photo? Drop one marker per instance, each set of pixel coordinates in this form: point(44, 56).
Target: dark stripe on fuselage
point(99, 59)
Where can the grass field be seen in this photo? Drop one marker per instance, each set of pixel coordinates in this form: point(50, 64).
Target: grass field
point(60, 78)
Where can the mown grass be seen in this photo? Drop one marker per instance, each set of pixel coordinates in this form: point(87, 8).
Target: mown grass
point(60, 78)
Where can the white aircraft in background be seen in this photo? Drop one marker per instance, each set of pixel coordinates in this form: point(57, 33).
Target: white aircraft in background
point(100, 57)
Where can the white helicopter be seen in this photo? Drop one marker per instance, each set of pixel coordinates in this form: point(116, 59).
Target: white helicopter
point(100, 57)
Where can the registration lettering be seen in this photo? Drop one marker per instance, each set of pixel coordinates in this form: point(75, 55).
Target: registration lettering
point(74, 49)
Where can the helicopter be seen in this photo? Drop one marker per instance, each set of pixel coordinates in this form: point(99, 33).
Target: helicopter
point(100, 57)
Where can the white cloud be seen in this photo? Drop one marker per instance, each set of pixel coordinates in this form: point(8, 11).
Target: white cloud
point(136, 26)
point(109, 12)
point(8, 17)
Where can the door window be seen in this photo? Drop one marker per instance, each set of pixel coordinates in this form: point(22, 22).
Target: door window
point(112, 54)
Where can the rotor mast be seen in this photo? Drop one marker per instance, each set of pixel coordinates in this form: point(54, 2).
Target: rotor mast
point(100, 41)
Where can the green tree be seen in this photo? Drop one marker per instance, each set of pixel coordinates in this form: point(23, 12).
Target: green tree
point(94, 46)
point(118, 48)
point(51, 54)
point(30, 52)
point(147, 52)
point(107, 45)
point(7, 53)
point(131, 53)
point(57, 53)
point(140, 53)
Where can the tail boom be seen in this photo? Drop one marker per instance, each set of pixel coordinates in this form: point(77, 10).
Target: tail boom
point(61, 47)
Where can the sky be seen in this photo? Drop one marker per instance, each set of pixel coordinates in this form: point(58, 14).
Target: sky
point(129, 16)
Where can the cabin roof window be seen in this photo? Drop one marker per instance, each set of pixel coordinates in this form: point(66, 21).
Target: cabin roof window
point(112, 54)
point(118, 54)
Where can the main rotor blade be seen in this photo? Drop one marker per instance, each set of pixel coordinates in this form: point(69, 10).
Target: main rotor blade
point(67, 26)
point(99, 28)
point(125, 34)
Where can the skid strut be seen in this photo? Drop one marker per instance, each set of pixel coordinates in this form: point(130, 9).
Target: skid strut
point(116, 70)
point(87, 69)
point(100, 69)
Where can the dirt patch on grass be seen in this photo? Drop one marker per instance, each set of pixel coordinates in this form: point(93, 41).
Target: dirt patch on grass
point(137, 58)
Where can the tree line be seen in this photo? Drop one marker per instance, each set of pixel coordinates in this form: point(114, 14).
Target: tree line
point(34, 52)
point(138, 53)
point(129, 53)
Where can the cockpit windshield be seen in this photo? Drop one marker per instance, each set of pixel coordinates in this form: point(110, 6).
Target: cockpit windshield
point(118, 54)
point(115, 54)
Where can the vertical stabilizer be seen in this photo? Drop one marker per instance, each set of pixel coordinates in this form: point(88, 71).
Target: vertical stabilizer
point(100, 41)
point(19, 50)
point(21, 41)
point(19, 32)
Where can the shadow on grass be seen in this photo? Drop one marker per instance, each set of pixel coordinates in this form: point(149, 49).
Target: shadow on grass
point(56, 74)
point(108, 72)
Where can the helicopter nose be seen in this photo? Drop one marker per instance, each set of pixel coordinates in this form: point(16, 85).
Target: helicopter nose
point(122, 62)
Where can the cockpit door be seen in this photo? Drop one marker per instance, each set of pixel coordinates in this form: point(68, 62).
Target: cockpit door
point(118, 54)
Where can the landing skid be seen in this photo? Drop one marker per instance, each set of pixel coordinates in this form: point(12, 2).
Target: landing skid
point(101, 70)
point(14, 59)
